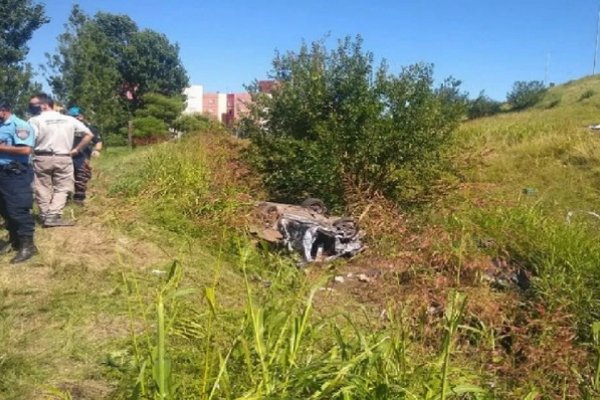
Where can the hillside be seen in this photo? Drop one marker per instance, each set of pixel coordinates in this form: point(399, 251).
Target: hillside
point(160, 291)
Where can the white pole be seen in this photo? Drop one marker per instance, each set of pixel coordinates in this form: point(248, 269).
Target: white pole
point(597, 38)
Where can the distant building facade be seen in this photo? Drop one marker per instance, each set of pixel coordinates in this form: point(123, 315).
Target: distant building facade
point(214, 105)
point(237, 106)
point(194, 103)
point(224, 107)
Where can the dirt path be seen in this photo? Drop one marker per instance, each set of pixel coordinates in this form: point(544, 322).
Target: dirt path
point(65, 311)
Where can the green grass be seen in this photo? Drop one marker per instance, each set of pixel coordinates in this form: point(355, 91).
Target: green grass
point(530, 188)
point(160, 293)
point(241, 322)
point(522, 174)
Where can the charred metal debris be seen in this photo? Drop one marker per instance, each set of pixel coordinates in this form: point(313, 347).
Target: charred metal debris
point(306, 230)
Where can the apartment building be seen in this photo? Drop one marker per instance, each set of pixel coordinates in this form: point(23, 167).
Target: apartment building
point(224, 107)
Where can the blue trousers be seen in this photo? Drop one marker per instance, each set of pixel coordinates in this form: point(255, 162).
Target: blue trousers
point(16, 199)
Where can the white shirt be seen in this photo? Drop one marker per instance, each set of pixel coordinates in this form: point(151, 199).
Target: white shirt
point(54, 132)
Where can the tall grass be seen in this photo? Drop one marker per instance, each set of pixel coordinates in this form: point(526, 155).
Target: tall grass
point(562, 257)
point(531, 184)
point(195, 187)
point(529, 195)
point(280, 350)
point(245, 339)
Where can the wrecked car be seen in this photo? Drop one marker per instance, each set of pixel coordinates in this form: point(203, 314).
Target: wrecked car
point(308, 231)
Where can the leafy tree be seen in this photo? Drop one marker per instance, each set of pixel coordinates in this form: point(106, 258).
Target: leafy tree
point(162, 107)
point(107, 65)
point(525, 94)
point(84, 70)
point(483, 106)
point(20, 18)
point(151, 64)
point(149, 126)
point(190, 123)
point(334, 122)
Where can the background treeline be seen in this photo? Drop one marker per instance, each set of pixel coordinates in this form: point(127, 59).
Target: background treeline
point(117, 72)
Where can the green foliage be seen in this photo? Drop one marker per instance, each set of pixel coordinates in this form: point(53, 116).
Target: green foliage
point(525, 94)
point(164, 108)
point(106, 65)
point(187, 123)
point(20, 18)
point(151, 63)
point(483, 106)
point(551, 231)
point(148, 126)
point(275, 348)
point(335, 121)
point(187, 187)
point(17, 86)
point(563, 257)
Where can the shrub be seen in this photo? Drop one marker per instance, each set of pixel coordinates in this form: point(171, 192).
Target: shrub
point(166, 109)
point(335, 122)
point(483, 106)
point(148, 126)
point(525, 94)
point(114, 140)
point(196, 123)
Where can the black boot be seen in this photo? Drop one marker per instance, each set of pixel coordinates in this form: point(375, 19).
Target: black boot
point(26, 250)
point(9, 245)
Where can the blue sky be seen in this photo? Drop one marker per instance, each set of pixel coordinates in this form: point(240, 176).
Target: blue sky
point(486, 44)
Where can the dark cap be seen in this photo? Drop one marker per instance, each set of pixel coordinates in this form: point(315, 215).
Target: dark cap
point(5, 104)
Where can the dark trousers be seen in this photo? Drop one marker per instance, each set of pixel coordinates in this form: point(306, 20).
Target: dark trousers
point(16, 199)
point(83, 173)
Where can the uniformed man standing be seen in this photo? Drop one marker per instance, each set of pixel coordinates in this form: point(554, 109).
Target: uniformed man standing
point(81, 162)
point(52, 163)
point(16, 175)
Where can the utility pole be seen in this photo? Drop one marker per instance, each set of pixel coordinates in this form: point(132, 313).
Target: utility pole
point(597, 39)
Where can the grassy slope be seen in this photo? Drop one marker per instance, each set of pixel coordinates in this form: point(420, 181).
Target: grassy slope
point(80, 320)
point(547, 148)
point(530, 180)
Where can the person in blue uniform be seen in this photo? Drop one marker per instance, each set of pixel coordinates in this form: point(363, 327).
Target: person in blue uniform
point(17, 139)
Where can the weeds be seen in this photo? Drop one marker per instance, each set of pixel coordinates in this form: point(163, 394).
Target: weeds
point(283, 340)
point(282, 351)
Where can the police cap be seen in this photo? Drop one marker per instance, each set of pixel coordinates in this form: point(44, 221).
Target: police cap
point(5, 105)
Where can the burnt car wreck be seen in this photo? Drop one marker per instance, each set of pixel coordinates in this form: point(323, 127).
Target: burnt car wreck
point(307, 231)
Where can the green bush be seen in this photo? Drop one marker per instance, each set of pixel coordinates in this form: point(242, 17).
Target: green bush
point(148, 126)
point(334, 122)
point(483, 106)
point(525, 94)
point(165, 108)
point(114, 140)
point(196, 123)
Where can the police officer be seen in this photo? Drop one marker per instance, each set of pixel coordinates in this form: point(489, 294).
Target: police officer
point(81, 161)
point(52, 163)
point(16, 176)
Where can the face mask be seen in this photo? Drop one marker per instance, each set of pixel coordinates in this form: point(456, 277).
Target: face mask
point(34, 109)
